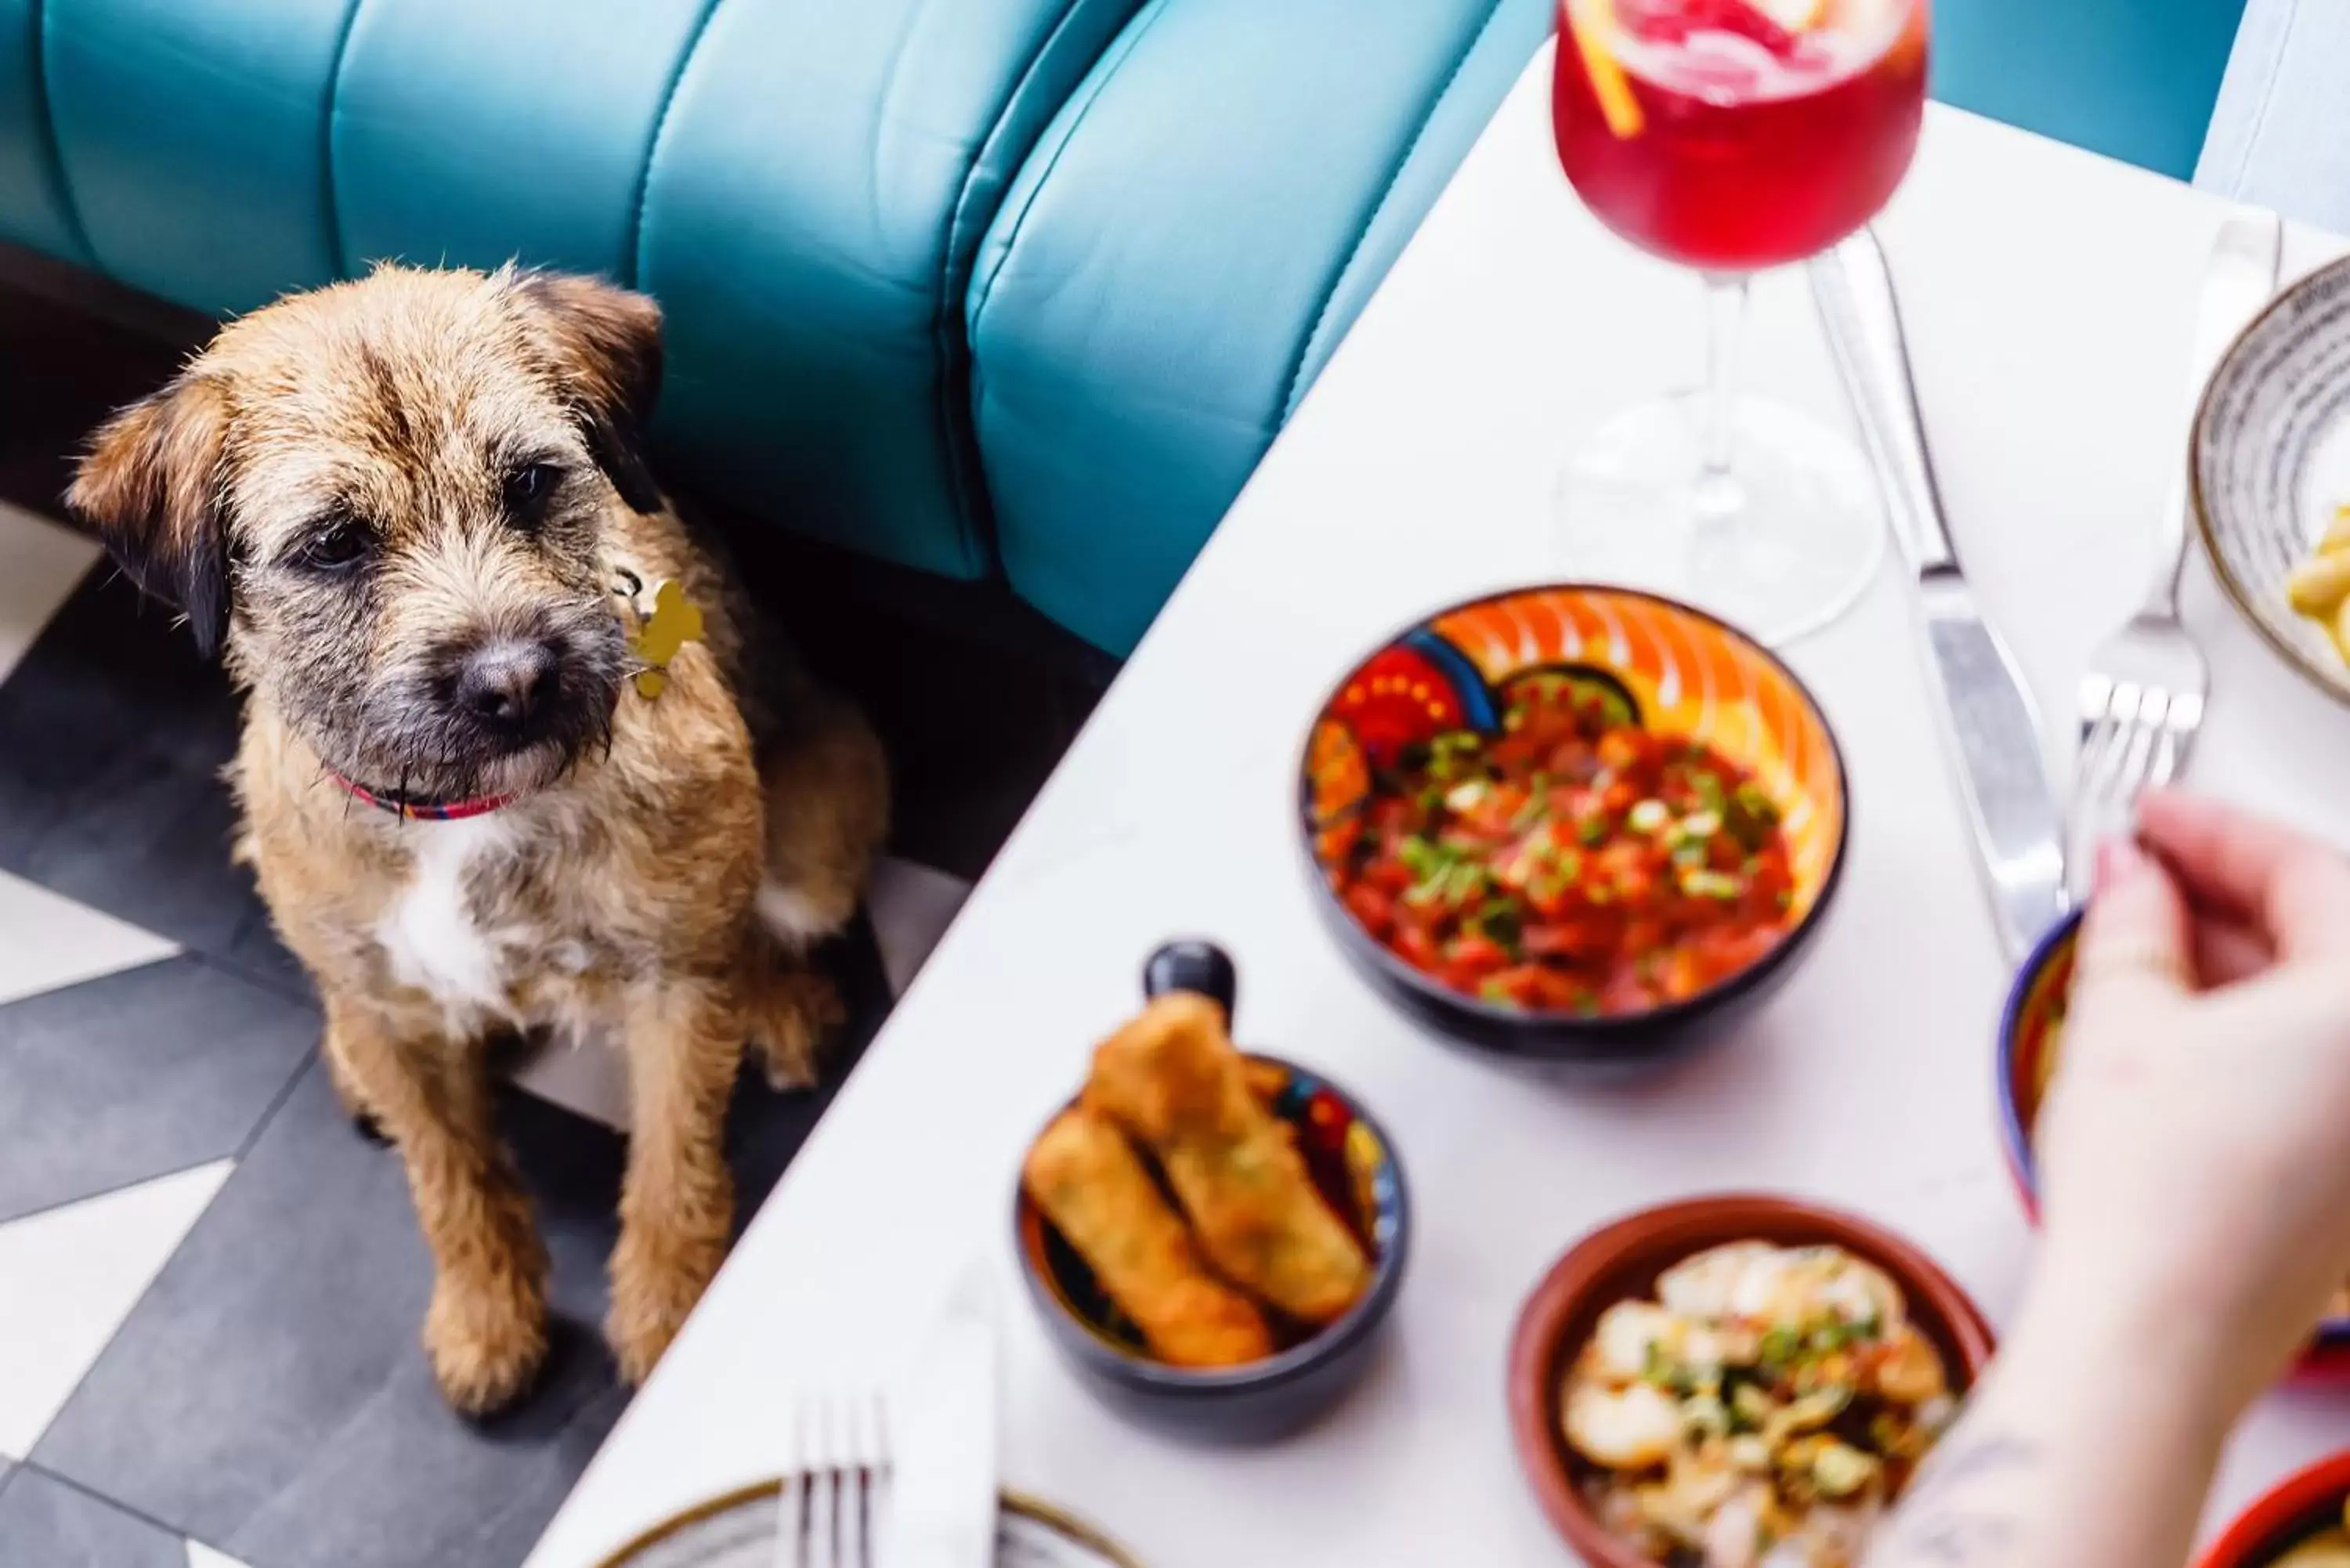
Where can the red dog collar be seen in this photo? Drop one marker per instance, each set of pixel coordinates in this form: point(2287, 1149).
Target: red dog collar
point(424, 810)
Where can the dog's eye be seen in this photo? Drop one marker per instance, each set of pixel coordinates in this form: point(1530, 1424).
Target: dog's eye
point(527, 488)
point(338, 546)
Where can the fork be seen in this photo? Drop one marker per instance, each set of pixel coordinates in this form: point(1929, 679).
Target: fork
point(836, 1480)
point(2142, 696)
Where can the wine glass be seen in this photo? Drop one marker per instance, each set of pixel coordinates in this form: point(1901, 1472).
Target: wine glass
point(1730, 135)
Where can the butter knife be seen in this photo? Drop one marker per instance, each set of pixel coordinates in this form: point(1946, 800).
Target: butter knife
point(943, 1499)
point(1989, 726)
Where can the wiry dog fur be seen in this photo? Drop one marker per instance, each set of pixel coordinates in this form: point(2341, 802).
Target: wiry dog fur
point(355, 493)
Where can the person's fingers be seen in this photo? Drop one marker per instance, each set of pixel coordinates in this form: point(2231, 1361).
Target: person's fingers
point(2293, 887)
point(2137, 936)
point(2227, 951)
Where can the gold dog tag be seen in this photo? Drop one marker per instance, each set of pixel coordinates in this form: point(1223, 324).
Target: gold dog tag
point(666, 621)
point(675, 621)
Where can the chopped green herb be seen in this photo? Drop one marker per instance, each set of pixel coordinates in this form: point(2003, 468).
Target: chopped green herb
point(1501, 922)
point(1749, 816)
point(1422, 857)
point(1592, 831)
point(1496, 989)
point(1704, 884)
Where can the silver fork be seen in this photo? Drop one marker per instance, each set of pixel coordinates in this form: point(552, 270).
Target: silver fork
point(836, 1480)
point(2142, 697)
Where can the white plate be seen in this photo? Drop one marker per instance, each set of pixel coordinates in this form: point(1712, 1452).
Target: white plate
point(738, 1531)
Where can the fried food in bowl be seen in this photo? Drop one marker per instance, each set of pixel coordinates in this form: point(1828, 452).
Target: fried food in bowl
point(1212, 1237)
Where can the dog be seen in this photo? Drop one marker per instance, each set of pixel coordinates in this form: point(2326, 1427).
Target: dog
point(493, 778)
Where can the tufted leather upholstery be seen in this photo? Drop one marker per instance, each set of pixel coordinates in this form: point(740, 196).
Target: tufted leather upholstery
point(1159, 290)
point(1182, 205)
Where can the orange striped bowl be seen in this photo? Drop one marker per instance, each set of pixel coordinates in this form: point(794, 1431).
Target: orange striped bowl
point(1683, 672)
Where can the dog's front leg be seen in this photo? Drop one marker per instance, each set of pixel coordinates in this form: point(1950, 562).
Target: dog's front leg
point(485, 1330)
point(684, 1039)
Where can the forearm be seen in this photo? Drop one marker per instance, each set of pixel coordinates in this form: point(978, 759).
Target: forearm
point(2081, 1450)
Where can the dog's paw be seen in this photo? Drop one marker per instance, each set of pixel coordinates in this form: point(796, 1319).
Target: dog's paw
point(650, 1302)
point(788, 1024)
point(487, 1340)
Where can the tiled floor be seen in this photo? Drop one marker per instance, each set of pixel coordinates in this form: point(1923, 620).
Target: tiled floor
point(210, 1284)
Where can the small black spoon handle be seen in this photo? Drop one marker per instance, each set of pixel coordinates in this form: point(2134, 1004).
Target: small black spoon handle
point(1193, 963)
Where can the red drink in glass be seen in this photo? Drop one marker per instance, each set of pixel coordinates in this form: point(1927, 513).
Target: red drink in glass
point(1745, 144)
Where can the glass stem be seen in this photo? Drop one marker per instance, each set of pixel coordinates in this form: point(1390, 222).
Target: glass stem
point(1725, 331)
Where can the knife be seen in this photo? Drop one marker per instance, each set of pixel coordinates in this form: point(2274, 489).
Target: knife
point(1988, 723)
point(942, 1484)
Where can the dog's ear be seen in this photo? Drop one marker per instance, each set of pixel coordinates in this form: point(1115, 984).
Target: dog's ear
point(608, 342)
point(150, 487)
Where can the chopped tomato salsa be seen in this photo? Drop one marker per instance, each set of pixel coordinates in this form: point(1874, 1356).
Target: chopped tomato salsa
point(1573, 863)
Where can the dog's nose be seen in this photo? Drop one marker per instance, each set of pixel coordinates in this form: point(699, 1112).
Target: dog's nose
point(506, 682)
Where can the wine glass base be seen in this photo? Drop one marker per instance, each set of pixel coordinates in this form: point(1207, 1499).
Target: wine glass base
point(1782, 545)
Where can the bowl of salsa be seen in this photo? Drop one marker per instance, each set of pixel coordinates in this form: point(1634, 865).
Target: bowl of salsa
point(1573, 821)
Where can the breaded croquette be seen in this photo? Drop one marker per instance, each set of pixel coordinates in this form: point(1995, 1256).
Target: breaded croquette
point(1092, 1186)
point(1171, 1078)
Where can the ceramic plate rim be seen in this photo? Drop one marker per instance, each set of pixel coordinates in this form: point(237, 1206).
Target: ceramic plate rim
point(1080, 1530)
point(2334, 682)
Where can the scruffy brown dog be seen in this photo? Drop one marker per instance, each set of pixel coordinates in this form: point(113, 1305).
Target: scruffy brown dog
point(413, 512)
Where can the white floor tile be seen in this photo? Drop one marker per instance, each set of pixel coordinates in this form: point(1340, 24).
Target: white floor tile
point(53, 942)
point(912, 907)
point(588, 1077)
point(72, 1275)
point(202, 1556)
point(40, 562)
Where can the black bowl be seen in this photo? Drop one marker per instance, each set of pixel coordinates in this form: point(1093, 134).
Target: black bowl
point(1674, 669)
point(1354, 1163)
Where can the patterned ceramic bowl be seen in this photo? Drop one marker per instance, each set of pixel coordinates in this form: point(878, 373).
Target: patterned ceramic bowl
point(1679, 671)
point(2303, 1505)
point(2031, 1032)
point(1352, 1162)
point(1623, 1259)
point(2270, 461)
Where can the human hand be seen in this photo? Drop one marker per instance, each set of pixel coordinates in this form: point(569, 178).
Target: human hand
point(2195, 1148)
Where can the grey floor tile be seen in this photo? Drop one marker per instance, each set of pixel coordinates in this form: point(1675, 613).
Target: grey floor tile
point(45, 1524)
point(133, 1074)
point(115, 734)
point(279, 1349)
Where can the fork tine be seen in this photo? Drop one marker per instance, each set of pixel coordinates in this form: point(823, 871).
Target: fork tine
point(824, 1492)
point(867, 1458)
point(2100, 760)
point(791, 1494)
point(832, 1505)
point(2137, 754)
point(879, 1479)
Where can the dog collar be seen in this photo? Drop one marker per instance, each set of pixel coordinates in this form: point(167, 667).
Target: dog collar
point(409, 810)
